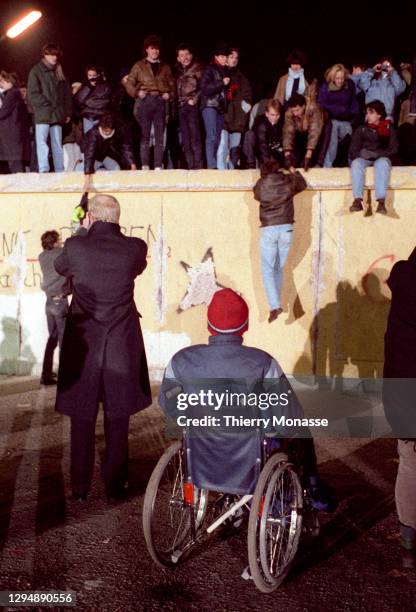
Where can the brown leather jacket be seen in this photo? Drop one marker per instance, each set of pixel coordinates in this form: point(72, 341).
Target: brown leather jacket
point(275, 193)
point(141, 77)
point(311, 123)
point(188, 83)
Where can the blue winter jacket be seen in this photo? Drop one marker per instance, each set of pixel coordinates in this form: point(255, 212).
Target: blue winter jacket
point(386, 89)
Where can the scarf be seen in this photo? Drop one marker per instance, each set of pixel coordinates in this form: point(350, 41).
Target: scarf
point(290, 81)
point(57, 69)
point(333, 87)
point(382, 128)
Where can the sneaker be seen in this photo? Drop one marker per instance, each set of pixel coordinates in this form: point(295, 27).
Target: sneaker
point(274, 314)
point(357, 205)
point(145, 167)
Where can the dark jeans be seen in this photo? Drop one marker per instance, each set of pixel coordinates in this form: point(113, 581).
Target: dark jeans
point(151, 110)
point(214, 122)
point(115, 463)
point(318, 155)
point(56, 310)
point(190, 127)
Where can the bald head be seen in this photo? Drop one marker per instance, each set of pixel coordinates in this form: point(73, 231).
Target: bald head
point(104, 208)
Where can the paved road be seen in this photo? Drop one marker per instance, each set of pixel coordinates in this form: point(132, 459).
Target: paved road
point(48, 541)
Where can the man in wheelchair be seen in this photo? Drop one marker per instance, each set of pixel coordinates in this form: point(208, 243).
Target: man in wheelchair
point(221, 369)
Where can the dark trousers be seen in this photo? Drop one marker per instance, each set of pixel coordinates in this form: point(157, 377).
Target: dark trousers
point(190, 128)
point(16, 165)
point(151, 110)
point(115, 463)
point(56, 310)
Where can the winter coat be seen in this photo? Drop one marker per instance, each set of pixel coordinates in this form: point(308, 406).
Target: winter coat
point(239, 90)
point(141, 78)
point(213, 90)
point(50, 98)
point(275, 193)
point(341, 104)
point(280, 93)
point(93, 101)
point(222, 365)
point(366, 143)
point(188, 81)
point(268, 139)
point(102, 354)
point(14, 127)
point(311, 123)
point(96, 148)
point(386, 89)
point(399, 377)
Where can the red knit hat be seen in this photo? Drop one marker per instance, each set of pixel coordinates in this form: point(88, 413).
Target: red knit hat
point(227, 313)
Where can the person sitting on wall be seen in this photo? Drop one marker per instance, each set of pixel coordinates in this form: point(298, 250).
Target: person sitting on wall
point(372, 144)
point(57, 289)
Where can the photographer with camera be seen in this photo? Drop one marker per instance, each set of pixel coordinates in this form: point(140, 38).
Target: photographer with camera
point(382, 82)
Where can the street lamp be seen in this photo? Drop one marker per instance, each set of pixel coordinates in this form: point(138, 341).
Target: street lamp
point(22, 25)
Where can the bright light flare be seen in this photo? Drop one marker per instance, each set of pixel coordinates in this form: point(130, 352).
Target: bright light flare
point(23, 24)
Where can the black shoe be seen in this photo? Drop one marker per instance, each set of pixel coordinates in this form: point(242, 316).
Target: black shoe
point(357, 205)
point(381, 208)
point(48, 380)
point(82, 497)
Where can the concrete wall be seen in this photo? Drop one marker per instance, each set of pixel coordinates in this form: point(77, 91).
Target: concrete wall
point(202, 230)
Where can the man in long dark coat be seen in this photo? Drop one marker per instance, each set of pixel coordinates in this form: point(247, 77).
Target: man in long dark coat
point(399, 391)
point(103, 356)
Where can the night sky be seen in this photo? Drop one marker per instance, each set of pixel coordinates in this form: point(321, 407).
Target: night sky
point(112, 34)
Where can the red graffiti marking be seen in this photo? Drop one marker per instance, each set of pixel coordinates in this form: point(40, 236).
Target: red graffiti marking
point(366, 278)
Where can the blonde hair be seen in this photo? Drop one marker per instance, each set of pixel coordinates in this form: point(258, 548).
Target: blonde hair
point(331, 72)
point(104, 207)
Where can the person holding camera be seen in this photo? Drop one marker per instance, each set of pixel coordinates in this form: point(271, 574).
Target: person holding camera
point(382, 82)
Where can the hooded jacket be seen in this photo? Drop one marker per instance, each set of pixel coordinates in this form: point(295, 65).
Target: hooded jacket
point(275, 193)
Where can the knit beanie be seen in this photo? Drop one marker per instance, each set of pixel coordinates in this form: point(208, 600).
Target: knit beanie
point(227, 313)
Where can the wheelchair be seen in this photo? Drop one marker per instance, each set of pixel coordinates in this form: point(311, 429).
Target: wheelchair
point(184, 502)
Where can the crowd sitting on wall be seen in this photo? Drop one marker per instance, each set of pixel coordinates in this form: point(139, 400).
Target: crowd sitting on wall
point(197, 116)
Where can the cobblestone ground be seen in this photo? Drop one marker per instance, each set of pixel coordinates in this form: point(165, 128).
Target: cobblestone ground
point(48, 541)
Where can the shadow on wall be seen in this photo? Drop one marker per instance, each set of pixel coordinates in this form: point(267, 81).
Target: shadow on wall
point(349, 331)
point(16, 357)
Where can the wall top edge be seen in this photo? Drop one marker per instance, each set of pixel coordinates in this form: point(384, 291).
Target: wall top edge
point(183, 180)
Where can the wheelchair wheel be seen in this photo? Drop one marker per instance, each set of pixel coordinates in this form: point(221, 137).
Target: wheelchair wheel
point(275, 523)
point(169, 523)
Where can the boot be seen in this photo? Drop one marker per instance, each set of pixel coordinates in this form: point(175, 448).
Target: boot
point(357, 205)
point(381, 208)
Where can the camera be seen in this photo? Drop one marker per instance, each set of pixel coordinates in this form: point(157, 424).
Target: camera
point(385, 67)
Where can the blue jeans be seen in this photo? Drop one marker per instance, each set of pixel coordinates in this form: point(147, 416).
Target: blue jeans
point(228, 141)
point(42, 131)
point(88, 124)
point(382, 167)
point(275, 243)
point(213, 121)
point(108, 163)
point(339, 130)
